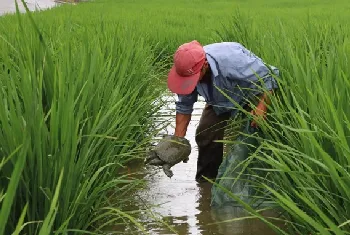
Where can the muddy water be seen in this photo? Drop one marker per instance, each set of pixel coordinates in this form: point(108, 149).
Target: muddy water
point(8, 6)
point(182, 202)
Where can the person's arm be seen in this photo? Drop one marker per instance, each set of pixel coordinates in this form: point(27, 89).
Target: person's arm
point(184, 109)
point(182, 121)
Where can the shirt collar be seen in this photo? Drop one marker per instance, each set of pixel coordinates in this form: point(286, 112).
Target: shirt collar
point(212, 63)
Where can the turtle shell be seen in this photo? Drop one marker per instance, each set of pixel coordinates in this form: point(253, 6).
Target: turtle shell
point(173, 149)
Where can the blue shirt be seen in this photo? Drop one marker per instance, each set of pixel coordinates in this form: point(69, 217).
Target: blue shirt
point(237, 72)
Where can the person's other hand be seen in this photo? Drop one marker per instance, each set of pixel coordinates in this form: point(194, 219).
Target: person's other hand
point(259, 113)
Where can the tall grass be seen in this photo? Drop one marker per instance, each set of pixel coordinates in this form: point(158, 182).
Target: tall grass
point(306, 153)
point(78, 107)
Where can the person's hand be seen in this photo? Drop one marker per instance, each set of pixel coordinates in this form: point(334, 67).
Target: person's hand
point(259, 113)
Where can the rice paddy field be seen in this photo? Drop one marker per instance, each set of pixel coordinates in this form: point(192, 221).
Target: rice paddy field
point(80, 83)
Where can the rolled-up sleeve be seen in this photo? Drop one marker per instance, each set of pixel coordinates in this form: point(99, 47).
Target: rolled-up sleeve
point(185, 103)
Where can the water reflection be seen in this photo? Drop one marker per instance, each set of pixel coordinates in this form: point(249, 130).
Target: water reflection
point(242, 227)
point(205, 221)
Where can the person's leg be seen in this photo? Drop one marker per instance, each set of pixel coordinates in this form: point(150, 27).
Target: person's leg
point(211, 128)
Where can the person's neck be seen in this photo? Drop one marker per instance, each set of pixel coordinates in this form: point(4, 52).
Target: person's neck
point(207, 77)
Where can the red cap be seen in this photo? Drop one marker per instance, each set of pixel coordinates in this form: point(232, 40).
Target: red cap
point(188, 62)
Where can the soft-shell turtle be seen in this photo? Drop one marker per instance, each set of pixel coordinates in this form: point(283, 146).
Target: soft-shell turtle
point(169, 151)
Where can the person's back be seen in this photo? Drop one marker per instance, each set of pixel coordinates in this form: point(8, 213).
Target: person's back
point(236, 72)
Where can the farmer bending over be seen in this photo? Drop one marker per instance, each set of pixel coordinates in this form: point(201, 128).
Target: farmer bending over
point(237, 72)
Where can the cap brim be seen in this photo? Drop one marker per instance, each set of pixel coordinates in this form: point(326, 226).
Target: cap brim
point(182, 85)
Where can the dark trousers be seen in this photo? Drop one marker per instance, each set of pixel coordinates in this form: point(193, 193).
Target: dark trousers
point(210, 153)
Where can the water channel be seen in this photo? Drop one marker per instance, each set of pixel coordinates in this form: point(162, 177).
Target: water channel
point(182, 202)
